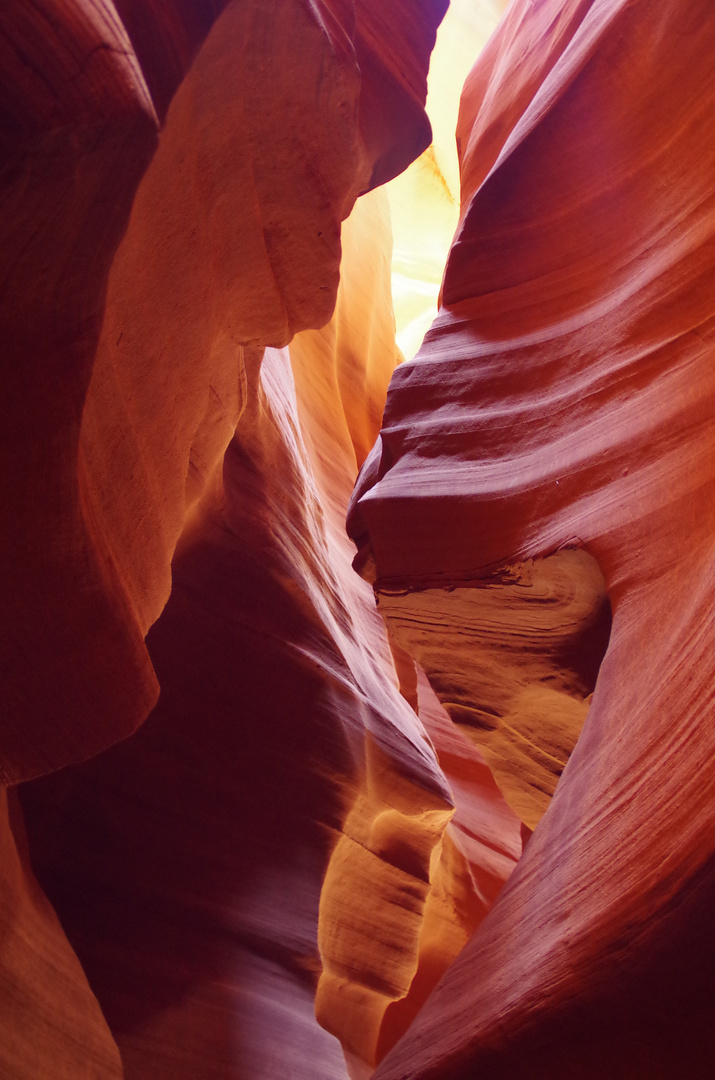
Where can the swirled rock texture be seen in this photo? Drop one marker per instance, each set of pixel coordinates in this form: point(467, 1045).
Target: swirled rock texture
point(127, 369)
point(78, 131)
point(563, 400)
point(78, 128)
point(514, 661)
point(143, 271)
point(188, 862)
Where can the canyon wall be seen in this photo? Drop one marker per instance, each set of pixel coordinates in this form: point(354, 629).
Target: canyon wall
point(249, 827)
point(550, 449)
point(176, 184)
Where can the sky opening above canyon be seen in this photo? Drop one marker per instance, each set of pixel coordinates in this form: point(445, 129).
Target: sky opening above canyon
point(424, 200)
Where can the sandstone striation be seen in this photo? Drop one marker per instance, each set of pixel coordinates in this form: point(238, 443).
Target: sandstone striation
point(263, 831)
point(514, 659)
point(127, 387)
point(280, 733)
point(78, 131)
point(561, 401)
point(144, 273)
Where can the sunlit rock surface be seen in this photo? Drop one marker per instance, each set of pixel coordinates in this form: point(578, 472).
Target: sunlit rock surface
point(514, 660)
point(140, 285)
point(281, 755)
point(563, 400)
point(233, 239)
point(478, 851)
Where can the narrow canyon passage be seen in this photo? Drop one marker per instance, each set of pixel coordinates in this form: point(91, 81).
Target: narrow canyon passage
point(357, 637)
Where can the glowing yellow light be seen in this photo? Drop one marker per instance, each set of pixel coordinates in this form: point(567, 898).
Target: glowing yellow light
point(424, 200)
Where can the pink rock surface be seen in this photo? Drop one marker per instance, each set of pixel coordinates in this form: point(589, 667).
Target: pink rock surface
point(187, 863)
point(139, 289)
point(563, 398)
point(276, 838)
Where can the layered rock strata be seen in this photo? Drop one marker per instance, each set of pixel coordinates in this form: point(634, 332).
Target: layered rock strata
point(280, 814)
point(144, 275)
point(562, 401)
point(514, 659)
point(281, 834)
point(280, 752)
point(233, 240)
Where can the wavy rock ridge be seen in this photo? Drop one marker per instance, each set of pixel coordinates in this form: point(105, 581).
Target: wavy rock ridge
point(561, 402)
point(189, 489)
point(252, 815)
point(145, 272)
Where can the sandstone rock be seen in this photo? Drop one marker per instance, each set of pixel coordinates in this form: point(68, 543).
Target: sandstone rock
point(562, 398)
point(188, 863)
point(477, 853)
point(233, 240)
point(50, 1022)
point(78, 129)
point(513, 658)
point(132, 340)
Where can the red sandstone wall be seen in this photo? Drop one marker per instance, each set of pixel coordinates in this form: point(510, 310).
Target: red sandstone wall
point(562, 401)
point(279, 835)
point(142, 278)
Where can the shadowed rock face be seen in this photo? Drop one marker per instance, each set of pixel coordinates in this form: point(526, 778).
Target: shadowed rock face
point(562, 400)
point(124, 387)
point(281, 807)
point(143, 275)
point(295, 865)
point(50, 1017)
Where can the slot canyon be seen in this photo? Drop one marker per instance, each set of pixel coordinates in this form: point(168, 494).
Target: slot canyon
point(358, 646)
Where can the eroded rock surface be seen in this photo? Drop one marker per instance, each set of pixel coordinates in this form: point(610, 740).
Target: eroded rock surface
point(232, 240)
point(563, 399)
point(184, 419)
point(513, 658)
point(277, 831)
point(143, 274)
point(282, 807)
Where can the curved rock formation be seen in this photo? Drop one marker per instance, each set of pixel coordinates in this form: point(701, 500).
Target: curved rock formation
point(279, 757)
point(561, 400)
point(78, 131)
point(305, 824)
point(78, 128)
point(139, 289)
point(104, 447)
point(50, 1021)
point(513, 658)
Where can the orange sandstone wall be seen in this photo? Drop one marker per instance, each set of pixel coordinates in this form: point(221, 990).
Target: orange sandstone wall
point(232, 240)
point(279, 749)
point(276, 828)
point(562, 403)
point(143, 273)
point(284, 851)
